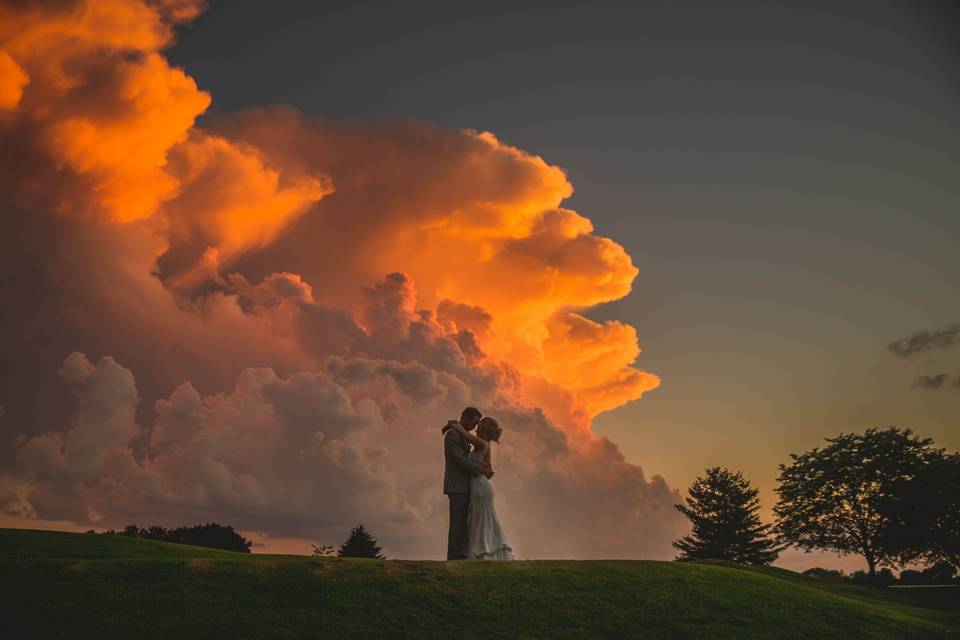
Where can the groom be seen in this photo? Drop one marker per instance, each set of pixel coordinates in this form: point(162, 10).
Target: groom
point(458, 468)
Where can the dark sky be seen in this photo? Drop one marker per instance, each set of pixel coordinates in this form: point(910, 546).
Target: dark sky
point(784, 175)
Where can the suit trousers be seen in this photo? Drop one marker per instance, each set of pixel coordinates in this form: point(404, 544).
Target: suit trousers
point(457, 540)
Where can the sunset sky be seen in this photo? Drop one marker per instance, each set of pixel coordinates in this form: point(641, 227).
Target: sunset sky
point(784, 176)
point(207, 215)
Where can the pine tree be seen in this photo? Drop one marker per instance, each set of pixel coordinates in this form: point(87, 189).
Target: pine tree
point(360, 544)
point(723, 508)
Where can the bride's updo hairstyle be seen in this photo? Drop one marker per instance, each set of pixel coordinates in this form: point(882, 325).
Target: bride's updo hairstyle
point(489, 429)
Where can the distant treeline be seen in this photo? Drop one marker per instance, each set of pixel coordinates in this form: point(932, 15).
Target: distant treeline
point(213, 535)
point(939, 573)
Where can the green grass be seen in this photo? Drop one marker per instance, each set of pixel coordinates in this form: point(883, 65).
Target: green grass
point(88, 585)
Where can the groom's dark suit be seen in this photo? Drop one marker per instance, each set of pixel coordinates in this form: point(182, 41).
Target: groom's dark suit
point(457, 470)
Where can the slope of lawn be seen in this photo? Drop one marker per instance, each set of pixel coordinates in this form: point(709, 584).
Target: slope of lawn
point(87, 585)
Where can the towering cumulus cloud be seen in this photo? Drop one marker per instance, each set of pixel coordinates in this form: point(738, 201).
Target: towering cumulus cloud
point(265, 320)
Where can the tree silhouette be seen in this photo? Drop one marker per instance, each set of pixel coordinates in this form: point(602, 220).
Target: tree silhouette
point(723, 508)
point(216, 536)
point(883, 578)
point(212, 535)
point(925, 514)
point(837, 498)
point(360, 544)
point(825, 574)
point(939, 573)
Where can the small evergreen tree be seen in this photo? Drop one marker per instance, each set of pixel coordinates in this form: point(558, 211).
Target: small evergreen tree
point(360, 544)
point(723, 508)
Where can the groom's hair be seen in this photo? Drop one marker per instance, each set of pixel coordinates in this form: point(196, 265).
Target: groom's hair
point(470, 412)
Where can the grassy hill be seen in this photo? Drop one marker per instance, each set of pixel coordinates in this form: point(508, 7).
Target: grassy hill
point(86, 585)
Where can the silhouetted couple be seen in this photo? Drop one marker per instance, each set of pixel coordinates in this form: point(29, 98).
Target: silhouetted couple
point(475, 531)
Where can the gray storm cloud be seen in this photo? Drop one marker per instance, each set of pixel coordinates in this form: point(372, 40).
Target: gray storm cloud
point(304, 455)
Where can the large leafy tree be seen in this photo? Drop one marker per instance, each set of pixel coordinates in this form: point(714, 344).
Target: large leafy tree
point(360, 544)
point(838, 498)
point(925, 513)
point(723, 508)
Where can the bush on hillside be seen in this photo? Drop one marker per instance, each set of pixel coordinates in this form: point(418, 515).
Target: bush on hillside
point(211, 535)
point(825, 574)
point(939, 573)
point(882, 578)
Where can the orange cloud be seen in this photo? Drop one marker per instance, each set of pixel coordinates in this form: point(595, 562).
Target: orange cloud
point(593, 361)
point(469, 219)
point(230, 200)
point(125, 156)
point(210, 258)
point(12, 81)
point(179, 11)
point(105, 105)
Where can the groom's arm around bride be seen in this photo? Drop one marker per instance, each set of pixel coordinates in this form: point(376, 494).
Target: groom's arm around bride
point(456, 451)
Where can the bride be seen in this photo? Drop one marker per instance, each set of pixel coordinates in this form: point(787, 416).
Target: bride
point(486, 539)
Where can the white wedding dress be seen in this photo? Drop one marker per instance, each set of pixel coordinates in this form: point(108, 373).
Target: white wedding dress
point(486, 539)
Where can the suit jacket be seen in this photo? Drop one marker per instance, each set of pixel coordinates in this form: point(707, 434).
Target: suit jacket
point(458, 468)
